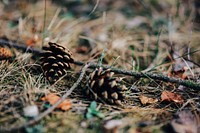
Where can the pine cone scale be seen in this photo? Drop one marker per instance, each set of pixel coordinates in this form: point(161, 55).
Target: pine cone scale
point(105, 94)
point(101, 81)
point(114, 95)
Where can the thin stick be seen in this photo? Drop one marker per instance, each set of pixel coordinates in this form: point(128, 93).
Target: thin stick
point(187, 83)
point(154, 76)
point(22, 47)
point(49, 110)
point(95, 7)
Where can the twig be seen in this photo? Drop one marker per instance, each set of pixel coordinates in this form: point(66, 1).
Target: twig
point(22, 47)
point(161, 77)
point(95, 7)
point(154, 76)
point(49, 110)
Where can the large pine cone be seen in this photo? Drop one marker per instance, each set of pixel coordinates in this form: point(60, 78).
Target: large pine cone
point(104, 87)
point(55, 61)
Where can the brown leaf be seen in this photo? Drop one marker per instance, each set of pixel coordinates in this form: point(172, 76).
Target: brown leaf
point(65, 105)
point(179, 74)
point(5, 53)
point(30, 42)
point(171, 97)
point(53, 98)
point(146, 100)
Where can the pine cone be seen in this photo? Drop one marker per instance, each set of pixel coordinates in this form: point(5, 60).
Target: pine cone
point(55, 61)
point(5, 53)
point(104, 87)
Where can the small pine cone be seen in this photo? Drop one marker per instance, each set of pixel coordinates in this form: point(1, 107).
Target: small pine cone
point(55, 61)
point(5, 53)
point(103, 86)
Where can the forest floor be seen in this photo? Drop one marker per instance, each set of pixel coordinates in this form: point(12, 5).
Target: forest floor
point(146, 37)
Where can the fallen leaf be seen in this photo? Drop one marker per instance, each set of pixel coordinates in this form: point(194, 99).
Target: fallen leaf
point(53, 98)
point(171, 97)
point(65, 105)
point(30, 42)
point(146, 100)
point(5, 53)
point(179, 74)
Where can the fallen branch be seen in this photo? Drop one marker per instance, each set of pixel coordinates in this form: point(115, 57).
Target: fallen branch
point(186, 83)
point(22, 47)
point(154, 76)
point(49, 110)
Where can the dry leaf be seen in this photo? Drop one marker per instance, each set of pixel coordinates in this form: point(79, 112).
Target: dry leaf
point(30, 42)
point(5, 53)
point(171, 97)
point(146, 100)
point(65, 105)
point(179, 74)
point(53, 98)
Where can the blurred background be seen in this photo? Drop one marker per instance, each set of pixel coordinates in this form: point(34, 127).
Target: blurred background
point(132, 34)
